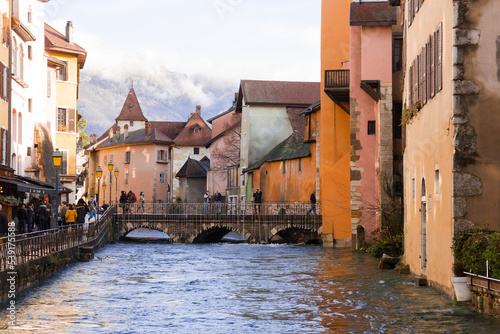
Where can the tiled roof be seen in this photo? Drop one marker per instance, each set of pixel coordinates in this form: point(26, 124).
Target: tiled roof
point(297, 121)
point(194, 168)
point(136, 137)
point(187, 137)
point(291, 148)
point(171, 129)
point(131, 110)
point(56, 41)
point(372, 14)
point(288, 93)
point(232, 109)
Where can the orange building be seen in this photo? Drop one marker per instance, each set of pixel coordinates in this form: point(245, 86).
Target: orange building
point(334, 125)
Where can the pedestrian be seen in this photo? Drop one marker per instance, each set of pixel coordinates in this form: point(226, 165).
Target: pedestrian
point(43, 217)
point(218, 200)
point(123, 201)
point(64, 208)
point(206, 198)
point(141, 198)
point(81, 212)
point(313, 203)
point(31, 218)
point(4, 226)
point(257, 200)
point(22, 218)
point(92, 216)
point(71, 215)
point(131, 197)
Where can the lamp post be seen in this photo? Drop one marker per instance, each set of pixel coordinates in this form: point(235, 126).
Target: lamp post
point(110, 167)
point(104, 193)
point(57, 159)
point(98, 173)
point(116, 183)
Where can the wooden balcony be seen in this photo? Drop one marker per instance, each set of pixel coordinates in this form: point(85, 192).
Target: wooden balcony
point(337, 86)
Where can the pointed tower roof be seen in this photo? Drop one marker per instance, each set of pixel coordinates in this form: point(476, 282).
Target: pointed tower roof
point(131, 110)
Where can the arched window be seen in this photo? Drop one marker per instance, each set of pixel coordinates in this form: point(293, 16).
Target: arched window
point(14, 126)
point(20, 129)
point(13, 161)
point(423, 190)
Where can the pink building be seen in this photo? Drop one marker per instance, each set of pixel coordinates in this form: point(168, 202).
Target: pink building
point(371, 110)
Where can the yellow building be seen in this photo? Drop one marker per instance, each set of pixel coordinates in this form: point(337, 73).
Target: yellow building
point(334, 125)
point(71, 58)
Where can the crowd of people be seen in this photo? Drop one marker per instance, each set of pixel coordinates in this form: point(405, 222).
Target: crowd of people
point(130, 198)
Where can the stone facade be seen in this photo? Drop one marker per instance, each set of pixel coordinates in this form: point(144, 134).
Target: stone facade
point(179, 156)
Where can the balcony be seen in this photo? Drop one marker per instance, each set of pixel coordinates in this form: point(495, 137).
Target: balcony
point(337, 86)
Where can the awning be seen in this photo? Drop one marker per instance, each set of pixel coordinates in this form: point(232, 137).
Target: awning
point(27, 185)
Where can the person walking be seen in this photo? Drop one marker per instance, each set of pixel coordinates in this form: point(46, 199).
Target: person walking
point(123, 201)
point(31, 217)
point(313, 203)
point(43, 217)
point(64, 208)
point(141, 198)
point(22, 218)
point(218, 200)
point(81, 212)
point(92, 215)
point(207, 202)
point(70, 216)
point(257, 200)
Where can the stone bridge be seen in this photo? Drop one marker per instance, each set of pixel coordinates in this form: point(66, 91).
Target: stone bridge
point(199, 228)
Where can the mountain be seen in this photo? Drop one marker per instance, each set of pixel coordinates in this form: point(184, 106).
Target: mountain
point(164, 96)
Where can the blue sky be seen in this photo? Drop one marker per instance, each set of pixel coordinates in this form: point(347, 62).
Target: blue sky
point(212, 44)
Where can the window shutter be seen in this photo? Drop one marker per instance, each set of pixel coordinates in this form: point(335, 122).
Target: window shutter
point(433, 57)
point(424, 75)
point(419, 78)
point(71, 120)
point(410, 81)
point(440, 58)
point(2, 81)
point(2, 148)
point(158, 155)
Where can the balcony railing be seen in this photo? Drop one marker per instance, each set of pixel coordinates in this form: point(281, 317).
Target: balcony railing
point(336, 79)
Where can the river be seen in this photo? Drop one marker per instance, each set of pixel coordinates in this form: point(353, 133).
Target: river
point(236, 288)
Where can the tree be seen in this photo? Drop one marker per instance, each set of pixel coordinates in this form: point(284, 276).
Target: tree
point(228, 152)
point(82, 124)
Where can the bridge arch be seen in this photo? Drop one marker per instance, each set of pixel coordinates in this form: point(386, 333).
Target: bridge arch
point(213, 234)
point(295, 235)
point(126, 233)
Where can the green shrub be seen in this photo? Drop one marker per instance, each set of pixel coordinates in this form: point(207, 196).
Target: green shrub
point(474, 247)
point(388, 244)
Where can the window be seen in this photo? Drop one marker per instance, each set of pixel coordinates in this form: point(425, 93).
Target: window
point(196, 131)
point(61, 73)
point(49, 81)
point(131, 123)
point(30, 16)
point(3, 138)
point(30, 105)
point(242, 180)
point(61, 119)
point(64, 163)
point(397, 53)
point(6, 30)
point(371, 127)
point(20, 128)
point(161, 155)
point(14, 57)
point(126, 178)
point(232, 177)
point(436, 182)
point(196, 150)
point(127, 157)
point(300, 165)
point(28, 152)
point(413, 188)
point(162, 177)
point(4, 81)
point(105, 161)
point(284, 167)
point(30, 52)
point(244, 148)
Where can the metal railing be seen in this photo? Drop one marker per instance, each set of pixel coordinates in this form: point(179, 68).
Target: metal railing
point(22, 248)
point(238, 209)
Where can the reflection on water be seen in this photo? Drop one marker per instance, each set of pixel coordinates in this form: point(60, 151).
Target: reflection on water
point(227, 288)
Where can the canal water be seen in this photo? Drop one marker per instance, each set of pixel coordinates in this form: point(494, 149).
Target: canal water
point(236, 288)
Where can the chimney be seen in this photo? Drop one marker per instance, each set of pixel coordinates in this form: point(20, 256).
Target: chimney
point(125, 131)
point(69, 32)
point(118, 133)
point(148, 128)
point(198, 110)
point(93, 138)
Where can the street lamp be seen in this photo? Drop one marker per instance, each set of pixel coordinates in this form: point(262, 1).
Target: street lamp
point(98, 173)
point(57, 159)
point(104, 193)
point(116, 182)
point(110, 167)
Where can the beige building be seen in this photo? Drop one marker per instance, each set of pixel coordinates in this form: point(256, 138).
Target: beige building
point(451, 101)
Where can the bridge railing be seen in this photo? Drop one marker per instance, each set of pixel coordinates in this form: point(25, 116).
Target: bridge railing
point(21, 248)
point(218, 208)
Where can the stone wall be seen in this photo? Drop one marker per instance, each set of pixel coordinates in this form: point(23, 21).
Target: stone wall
point(486, 301)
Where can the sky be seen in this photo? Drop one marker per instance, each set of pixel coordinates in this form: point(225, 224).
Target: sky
point(195, 49)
